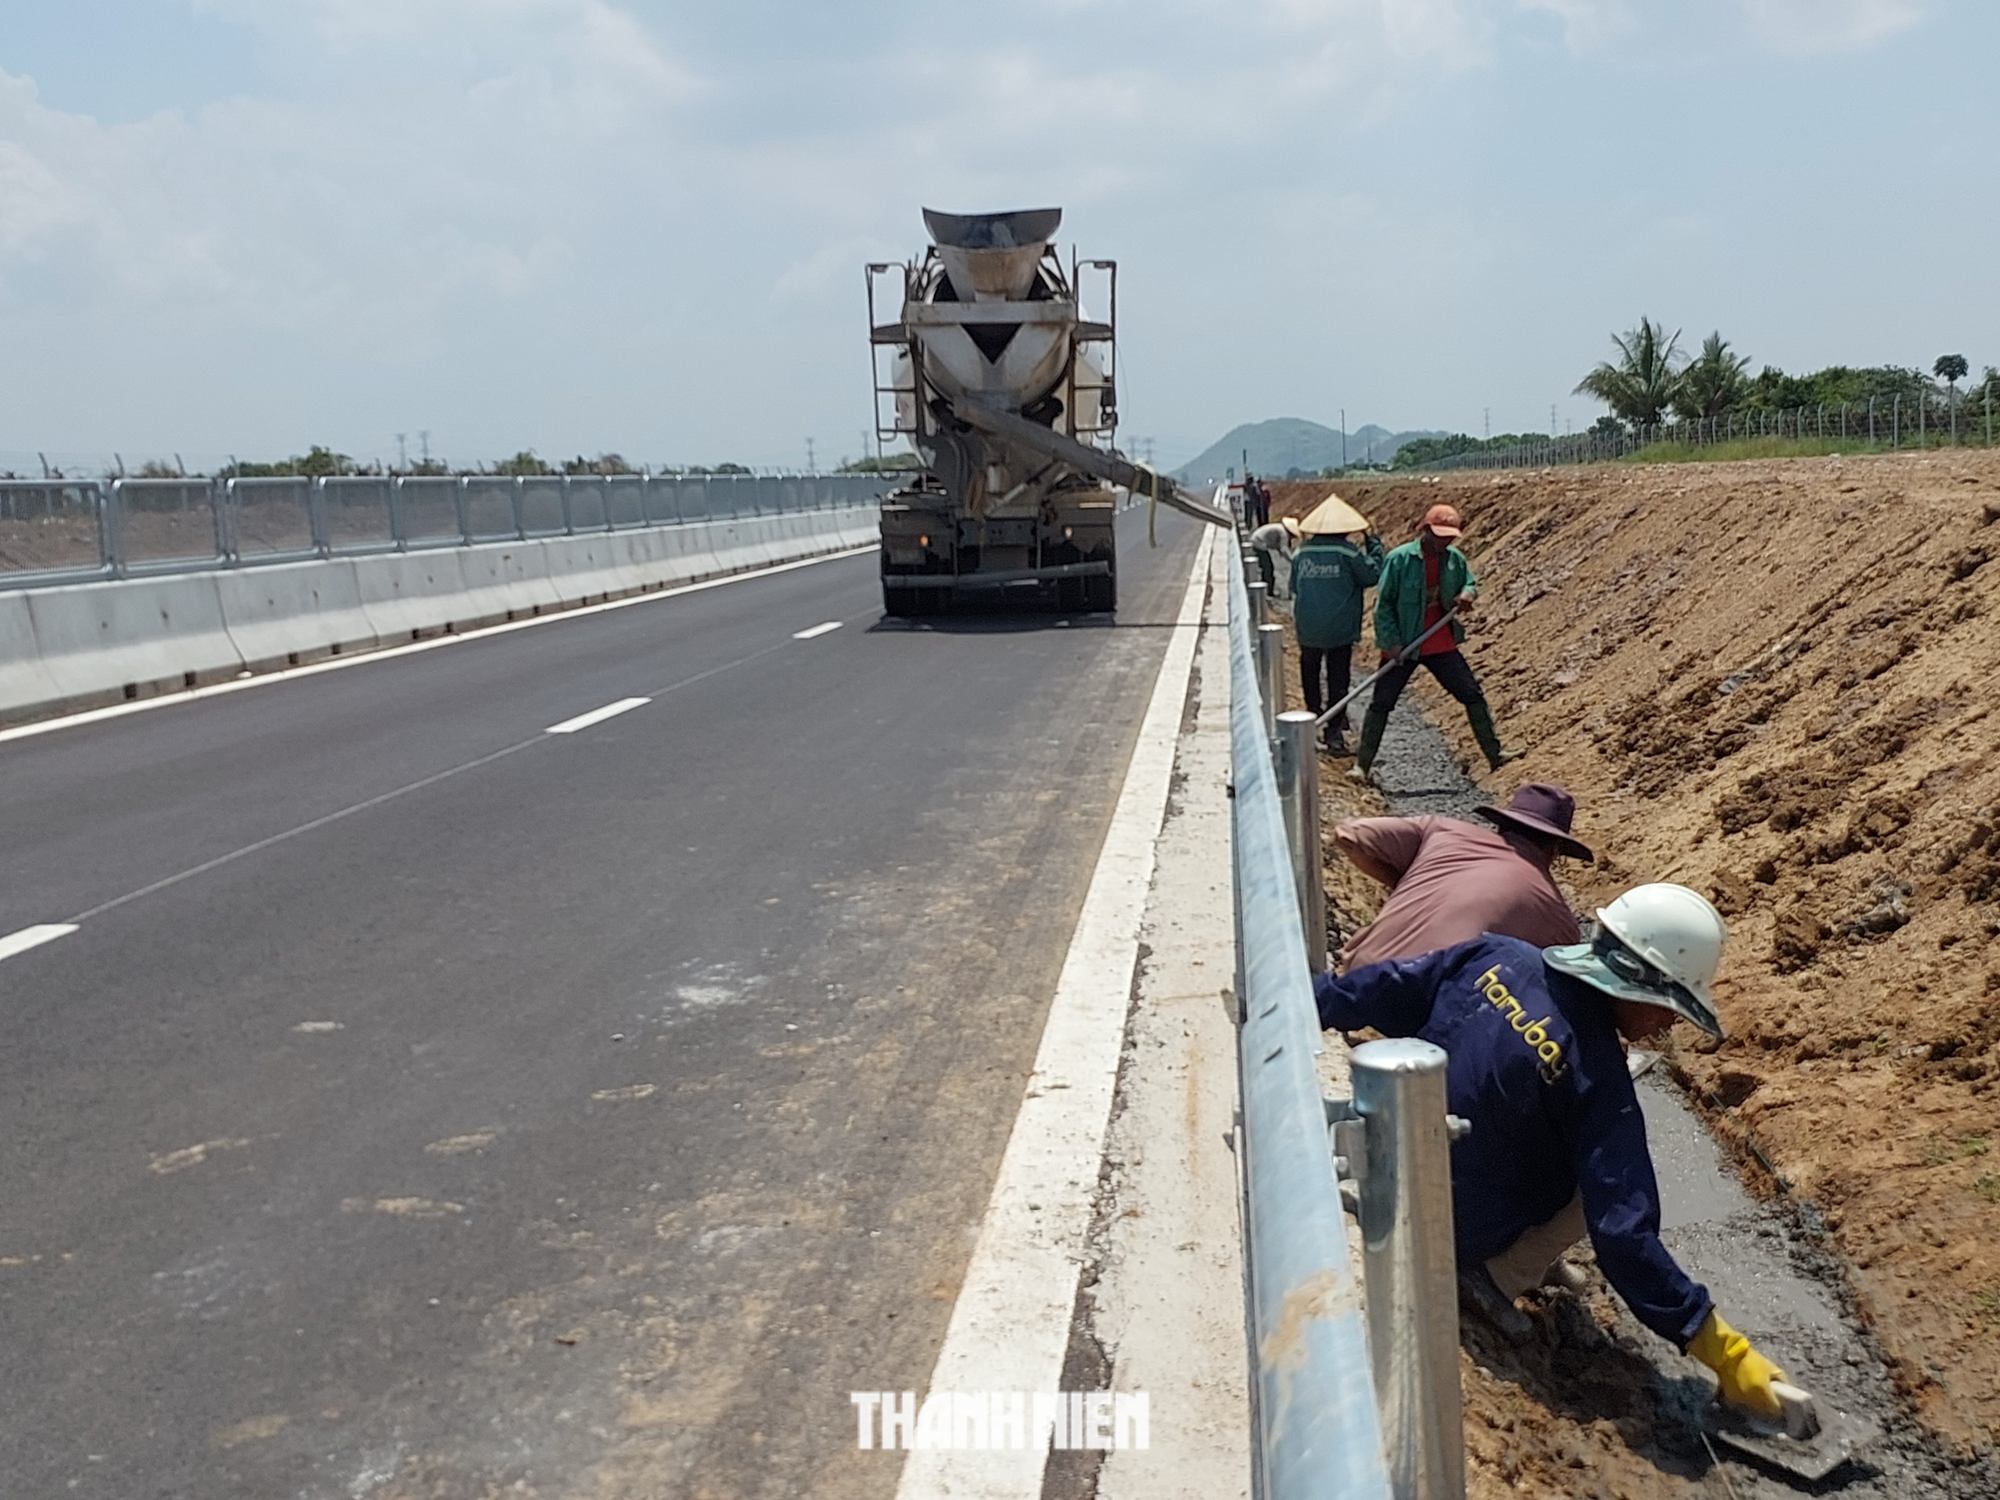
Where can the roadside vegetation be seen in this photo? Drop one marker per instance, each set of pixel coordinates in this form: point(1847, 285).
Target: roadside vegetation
point(1669, 406)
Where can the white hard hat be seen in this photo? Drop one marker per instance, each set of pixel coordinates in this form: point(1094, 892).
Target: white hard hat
point(1657, 944)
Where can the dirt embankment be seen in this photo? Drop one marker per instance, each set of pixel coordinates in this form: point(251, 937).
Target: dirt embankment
point(1775, 682)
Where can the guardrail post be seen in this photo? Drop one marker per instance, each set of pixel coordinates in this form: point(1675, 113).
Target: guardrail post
point(1256, 590)
point(1298, 794)
point(113, 527)
point(1403, 1171)
point(316, 518)
point(222, 515)
point(1271, 673)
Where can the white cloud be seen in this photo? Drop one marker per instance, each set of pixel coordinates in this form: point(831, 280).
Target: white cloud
point(1830, 25)
point(1586, 23)
point(586, 213)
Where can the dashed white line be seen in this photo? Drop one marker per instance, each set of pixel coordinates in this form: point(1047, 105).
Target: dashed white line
point(808, 634)
point(33, 937)
point(597, 716)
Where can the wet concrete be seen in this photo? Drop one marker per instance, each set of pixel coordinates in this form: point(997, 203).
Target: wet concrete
point(1771, 1275)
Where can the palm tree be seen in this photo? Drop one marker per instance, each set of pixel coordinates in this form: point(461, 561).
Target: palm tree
point(1952, 368)
point(1715, 383)
point(1646, 379)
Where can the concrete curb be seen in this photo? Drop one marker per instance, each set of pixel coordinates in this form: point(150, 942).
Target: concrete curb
point(78, 646)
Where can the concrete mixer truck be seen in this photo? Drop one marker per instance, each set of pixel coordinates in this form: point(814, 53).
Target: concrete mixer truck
point(1008, 393)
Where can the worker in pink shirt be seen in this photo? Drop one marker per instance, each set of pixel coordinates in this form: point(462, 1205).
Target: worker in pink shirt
point(1450, 881)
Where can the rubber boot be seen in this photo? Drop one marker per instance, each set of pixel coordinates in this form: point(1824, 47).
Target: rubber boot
point(1372, 725)
point(1481, 719)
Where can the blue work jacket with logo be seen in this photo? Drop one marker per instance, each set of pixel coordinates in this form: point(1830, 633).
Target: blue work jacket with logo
point(1536, 1066)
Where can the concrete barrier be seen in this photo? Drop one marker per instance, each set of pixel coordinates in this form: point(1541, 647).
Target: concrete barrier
point(132, 637)
point(508, 581)
point(406, 595)
point(75, 645)
point(292, 612)
point(24, 677)
point(686, 553)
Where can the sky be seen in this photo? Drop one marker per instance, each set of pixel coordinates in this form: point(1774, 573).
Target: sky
point(639, 226)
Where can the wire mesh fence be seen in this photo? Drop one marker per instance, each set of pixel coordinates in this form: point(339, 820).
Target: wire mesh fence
point(1887, 425)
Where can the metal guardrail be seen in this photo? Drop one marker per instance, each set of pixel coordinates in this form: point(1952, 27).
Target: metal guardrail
point(1348, 1402)
point(74, 530)
point(1315, 1433)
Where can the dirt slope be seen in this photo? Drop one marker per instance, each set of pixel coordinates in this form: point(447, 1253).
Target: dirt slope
point(1774, 681)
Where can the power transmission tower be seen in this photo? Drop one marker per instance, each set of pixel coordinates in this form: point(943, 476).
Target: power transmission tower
point(812, 466)
point(402, 452)
point(424, 442)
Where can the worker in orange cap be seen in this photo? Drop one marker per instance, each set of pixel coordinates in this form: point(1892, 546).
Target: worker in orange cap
point(1423, 581)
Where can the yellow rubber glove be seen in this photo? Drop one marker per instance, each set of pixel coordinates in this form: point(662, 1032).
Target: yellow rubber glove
point(1745, 1374)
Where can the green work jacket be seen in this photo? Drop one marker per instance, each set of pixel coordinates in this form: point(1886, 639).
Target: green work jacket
point(1329, 574)
point(1399, 602)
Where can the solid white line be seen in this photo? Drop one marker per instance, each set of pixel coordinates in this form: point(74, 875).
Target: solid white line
point(806, 635)
point(389, 653)
point(597, 716)
point(1010, 1327)
point(33, 937)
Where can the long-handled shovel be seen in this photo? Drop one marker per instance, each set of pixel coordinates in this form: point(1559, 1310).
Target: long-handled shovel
point(1402, 658)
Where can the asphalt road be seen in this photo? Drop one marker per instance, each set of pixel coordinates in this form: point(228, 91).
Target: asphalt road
point(429, 1105)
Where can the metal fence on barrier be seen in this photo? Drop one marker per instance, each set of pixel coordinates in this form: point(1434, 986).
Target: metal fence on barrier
point(1886, 424)
point(1348, 1401)
point(69, 530)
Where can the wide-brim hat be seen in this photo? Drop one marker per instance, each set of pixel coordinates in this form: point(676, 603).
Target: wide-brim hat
point(1542, 809)
point(1333, 516)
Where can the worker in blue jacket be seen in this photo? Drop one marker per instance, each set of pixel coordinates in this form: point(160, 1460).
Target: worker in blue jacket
point(1558, 1145)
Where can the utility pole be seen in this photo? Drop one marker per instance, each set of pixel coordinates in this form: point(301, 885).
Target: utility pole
point(1489, 424)
point(1343, 437)
point(1552, 419)
point(424, 441)
point(812, 466)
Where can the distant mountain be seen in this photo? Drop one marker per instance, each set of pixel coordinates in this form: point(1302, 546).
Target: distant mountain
point(1283, 444)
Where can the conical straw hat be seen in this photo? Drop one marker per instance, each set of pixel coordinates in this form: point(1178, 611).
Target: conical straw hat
point(1333, 516)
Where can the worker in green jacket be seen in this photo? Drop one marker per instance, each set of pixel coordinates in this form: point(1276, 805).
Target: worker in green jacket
point(1330, 571)
point(1422, 582)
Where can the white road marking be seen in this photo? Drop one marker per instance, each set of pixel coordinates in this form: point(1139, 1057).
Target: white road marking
point(806, 635)
point(1010, 1327)
point(597, 716)
point(390, 653)
point(33, 937)
point(389, 796)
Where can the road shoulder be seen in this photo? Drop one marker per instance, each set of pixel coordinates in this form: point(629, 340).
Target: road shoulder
point(1167, 1304)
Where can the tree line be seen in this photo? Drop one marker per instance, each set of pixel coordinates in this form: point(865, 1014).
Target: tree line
point(1652, 380)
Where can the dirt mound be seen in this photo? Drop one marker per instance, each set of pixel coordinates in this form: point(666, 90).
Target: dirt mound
point(1774, 681)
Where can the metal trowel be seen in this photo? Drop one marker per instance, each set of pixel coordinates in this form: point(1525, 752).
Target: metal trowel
point(1810, 1442)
